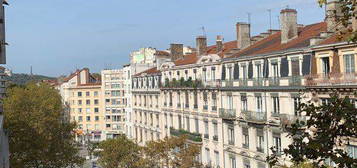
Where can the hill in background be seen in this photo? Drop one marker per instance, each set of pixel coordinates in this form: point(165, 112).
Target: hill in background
point(21, 79)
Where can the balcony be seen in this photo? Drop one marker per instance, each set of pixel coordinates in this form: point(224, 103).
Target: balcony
point(227, 113)
point(295, 80)
point(258, 81)
point(331, 79)
point(212, 84)
point(194, 137)
point(274, 81)
point(243, 82)
point(255, 116)
point(287, 119)
point(227, 83)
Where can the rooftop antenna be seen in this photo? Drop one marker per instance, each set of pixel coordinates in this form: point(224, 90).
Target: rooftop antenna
point(248, 17)
point(31, 71)
point(203, 31)
point(269, 10)
point(278, 21)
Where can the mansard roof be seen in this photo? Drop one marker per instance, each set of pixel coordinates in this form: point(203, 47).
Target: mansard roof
point(192, 58)
point(273, 43)
point(151, 71)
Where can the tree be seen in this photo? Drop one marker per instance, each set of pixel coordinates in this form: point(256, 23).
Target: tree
point(38, 136)
point(329, 128)
point(172, 152)
point(119, 153)
point(349, 12)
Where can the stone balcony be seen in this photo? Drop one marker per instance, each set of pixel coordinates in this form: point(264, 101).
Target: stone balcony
point(227, 113)
point(255, 116)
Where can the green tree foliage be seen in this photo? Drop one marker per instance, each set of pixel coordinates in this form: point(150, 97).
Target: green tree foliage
point(119, 153)
point(328, 130)
point(23, 79)
point(169, 152)
point(38, 135)
point(349, 11)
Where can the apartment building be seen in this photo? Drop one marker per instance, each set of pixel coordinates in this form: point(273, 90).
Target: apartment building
point(114, 98)
point(128, 105)
point(235, 98)
point(82, 95)
point(4, 142)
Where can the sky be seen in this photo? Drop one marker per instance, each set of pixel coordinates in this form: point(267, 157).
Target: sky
point(56, 37)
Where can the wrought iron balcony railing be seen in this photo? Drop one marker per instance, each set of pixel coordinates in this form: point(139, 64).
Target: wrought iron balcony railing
point(295, 80)
point(227, 113)
point(274, 81)
point(258, 81)
point(330, 79)
point(255, 116)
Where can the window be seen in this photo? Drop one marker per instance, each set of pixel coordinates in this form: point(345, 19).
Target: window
point(107, 125)
point(258, 70)
point(95, 93)
point(245, 138)
point(195, 100)
point(244, 103)
point(244, 72)
point(87, 110)
point(188, 123)
point(352, 151)
point(96, 101)
point(197, 126)
point(79, 102)
point(215, 131)
point(171, 120)
point(213, 74)
point(96, 110)
point(349, 60)
point(275, 70)
point(187, 104)
point(295, 67)
point(230, 73)
point(231, 137)
point(276, 105)
point(87, 102)
point(170, 103)
point(180, 122)
point(260, 140)
point(96, 118)
point(115, 93)
point(246, 163)
point(88, 118)
point(204, 74)
point(296, 105)
point(79, 110)
point(214, 102)
point(325, 65)
point(259, 103)
point(87, 94)
point(207, 155)
point(205, 100)
point(80, 118)
point(206, 130)
point(232, 162)
point(79, 94)
point(216, 155)
point(230, 102)
point(277, 143)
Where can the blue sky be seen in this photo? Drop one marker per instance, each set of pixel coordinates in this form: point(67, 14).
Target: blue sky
point(57, 36)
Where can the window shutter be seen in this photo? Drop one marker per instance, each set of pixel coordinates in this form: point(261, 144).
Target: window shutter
point(236, 71)
point(223, 72)
point(306, 65)
point(266, 68)
point(153, 82)
point(284, 67)
point(250, 70)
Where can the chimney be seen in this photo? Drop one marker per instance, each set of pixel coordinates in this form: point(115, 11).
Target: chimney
point(243, 35)
point(176, 51)
point(201, 45)
point(219, 44)
point(333, 11)
point(288, 24)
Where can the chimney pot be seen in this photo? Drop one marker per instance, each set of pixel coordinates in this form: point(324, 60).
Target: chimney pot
point(243, 35)
point(289, 26)
point(201, 45)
